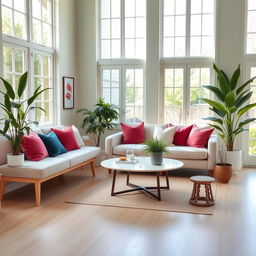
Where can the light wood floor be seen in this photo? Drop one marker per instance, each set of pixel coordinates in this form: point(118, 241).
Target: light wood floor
point(58, 228)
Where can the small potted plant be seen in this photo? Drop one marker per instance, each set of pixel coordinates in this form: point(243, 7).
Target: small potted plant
point(15, 110)
point(100, 119)
point(156, 148)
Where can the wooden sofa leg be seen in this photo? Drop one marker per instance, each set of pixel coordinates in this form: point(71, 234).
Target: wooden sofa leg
point(92, 168)
point(109, 171)
point(2, 188)
point(38, 193)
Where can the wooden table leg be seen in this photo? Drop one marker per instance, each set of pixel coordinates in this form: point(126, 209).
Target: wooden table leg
point(167, 180)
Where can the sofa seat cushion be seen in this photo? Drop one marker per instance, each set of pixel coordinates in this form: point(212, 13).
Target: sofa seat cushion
point(186, 152)
point(36, 170)
point(80, 155)
point(122, 148)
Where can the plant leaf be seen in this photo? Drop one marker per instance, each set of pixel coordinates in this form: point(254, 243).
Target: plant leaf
point(230, 99)
point(234, 78)
point(22, 84)
point(243, 99)
point(215, 105)
point(245, 109)
point(214, 119)
point(240, 89)
point(9, 90)
point(216, 91)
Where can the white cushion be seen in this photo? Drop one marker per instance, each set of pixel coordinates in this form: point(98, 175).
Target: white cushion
point(46, 130)
point(122, 148)
point(186, 152)
point(165, 135)
point(36, 170)
point(80, 155)
point(78, 137)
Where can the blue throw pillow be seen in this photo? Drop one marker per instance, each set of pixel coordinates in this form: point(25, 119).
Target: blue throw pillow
point(52, 144)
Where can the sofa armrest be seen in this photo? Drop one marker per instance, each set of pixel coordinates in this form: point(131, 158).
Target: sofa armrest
point(111, 141)
point(212, 151)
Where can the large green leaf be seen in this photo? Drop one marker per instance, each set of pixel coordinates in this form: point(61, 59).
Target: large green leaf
point(218, 112)
point(9, 90)
point(239, 102)
point(34, 96)
point(215, 105)
point(7, 102)
point(22, 84)
point(240, 89)
point(222, 79)
point(245, 109)
point(246, 121)
point(217, 92)
point(234, 78)
point(214, 119)
point(230, 99)
point(216, 127)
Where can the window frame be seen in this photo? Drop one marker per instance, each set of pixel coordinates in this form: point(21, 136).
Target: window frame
point(187, 33)
point(186, 89)
point(31, 47)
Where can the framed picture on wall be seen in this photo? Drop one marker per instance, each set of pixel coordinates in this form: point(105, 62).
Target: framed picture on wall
point(68, 92)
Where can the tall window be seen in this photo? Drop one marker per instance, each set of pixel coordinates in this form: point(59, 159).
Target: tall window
point(29, 46)
point(122, 26)
point(251, 27)
point(187, 56)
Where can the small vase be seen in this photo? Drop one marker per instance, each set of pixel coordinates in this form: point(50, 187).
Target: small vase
point(223, 172)
point(157, 158)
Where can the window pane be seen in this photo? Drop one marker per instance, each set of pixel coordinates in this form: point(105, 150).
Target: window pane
point(180, 7)
point(115, 29)
point(196, 6)
point(169, 26)
point(105, 9)
point(36, 9)
point(195, 29)
point(7, 3)
point(19, 25)
point(47, 35)
point(195, 46)
point(115, 8)
point(115, 50)
point(19, 5)
point(140, 8)
point(105, 29)
point(251, 5)
point(180, 46)
point(105, 49)
point(19, 61)
point(173, 95)
point(37, 31)
point(198, 109)
point(46, 11)
point(7, 55)
point(169, 7)
point(129, 8)
point(134, 95)
point(7, 20)
point(251, 24)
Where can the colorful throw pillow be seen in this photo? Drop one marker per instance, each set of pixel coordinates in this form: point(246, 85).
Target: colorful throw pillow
point(133, 134)
point(199, 137)
point(165, 135)
point(78, 137)
point(53, 144)
point(181, 135)
point(33, 148)
point(67, 138)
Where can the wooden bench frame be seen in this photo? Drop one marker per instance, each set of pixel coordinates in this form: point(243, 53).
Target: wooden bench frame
point(37, 182)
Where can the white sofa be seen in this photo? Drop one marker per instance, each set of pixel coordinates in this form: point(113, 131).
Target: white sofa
point(39, 171)
point(194, 158)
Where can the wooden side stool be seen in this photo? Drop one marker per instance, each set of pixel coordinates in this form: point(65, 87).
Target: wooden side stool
point(198, 200)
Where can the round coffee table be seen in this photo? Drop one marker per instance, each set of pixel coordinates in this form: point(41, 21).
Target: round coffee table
point(142, 166)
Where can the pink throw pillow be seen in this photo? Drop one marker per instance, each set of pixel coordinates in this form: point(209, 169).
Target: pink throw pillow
point(133, 134)
point(199, 137)
point(67, 138)
point(181, 135)
point(33, 147)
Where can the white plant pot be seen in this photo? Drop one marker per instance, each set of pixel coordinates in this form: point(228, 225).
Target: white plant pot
point(234, 158)
point(15, 160)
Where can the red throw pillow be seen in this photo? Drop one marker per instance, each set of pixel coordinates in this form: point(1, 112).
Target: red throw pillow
point(133, 134)
point(199, 137)
point(181, 135)
point(67, 138)
point(33, 147)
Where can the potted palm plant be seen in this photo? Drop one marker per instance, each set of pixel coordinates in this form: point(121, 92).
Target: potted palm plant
point(100, 119)
point(15, 110)
point(156, 148)
point(229, 111)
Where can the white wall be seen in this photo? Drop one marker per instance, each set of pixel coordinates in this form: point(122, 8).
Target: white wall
point(86, 55)
point(66, 56)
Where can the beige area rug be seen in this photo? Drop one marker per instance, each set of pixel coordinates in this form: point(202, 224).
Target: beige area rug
point(174, 200)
